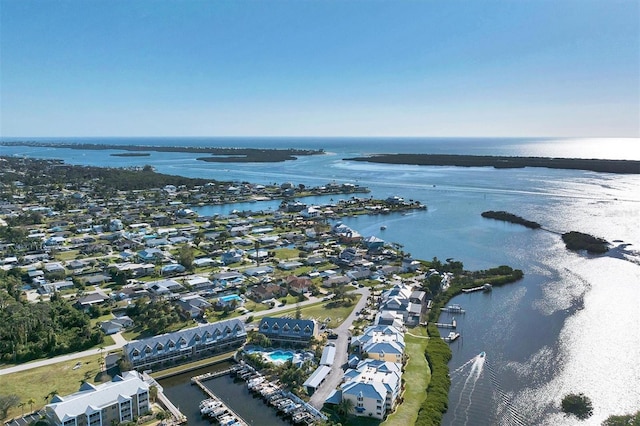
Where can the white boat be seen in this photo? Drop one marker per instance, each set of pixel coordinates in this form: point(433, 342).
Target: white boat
point(451, 337)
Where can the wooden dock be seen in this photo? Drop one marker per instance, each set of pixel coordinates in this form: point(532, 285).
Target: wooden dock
point(197, 381)
point(452, 325)
point(484, 287)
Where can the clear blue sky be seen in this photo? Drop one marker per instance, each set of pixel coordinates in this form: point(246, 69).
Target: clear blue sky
point(320, 68)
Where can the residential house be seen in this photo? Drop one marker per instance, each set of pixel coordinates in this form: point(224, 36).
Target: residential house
point(192, 306)
point(381, 342)
point(91, 299)
point(227, 279)
point(164, 287)
point(298, 285)
point(121, 400)
point(265, 291)
point(116, 325)
point(232, 256)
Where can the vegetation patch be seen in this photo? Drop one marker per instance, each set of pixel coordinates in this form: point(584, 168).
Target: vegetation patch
point(511, 218)
point(578, 241)
point(435, 405)
point(578, 405)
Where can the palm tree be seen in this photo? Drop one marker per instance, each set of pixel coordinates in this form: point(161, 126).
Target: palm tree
point(21, 405)
point(344, 408)
point(31, 401)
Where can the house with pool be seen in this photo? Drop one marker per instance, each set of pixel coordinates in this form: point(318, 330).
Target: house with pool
point(288, 331)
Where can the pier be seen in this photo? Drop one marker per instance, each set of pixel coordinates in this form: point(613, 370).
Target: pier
point(452, 325)
point(453, 309)
point(485, 287)
point(222, 408)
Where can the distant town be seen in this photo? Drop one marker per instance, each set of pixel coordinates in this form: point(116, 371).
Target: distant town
point(120, 282)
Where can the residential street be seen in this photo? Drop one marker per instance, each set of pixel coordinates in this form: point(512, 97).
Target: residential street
point(337, 369)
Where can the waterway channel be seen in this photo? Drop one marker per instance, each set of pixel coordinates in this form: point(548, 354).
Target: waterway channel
point(187, 397)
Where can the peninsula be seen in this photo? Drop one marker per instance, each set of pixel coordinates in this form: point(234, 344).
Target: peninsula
point(501, 162)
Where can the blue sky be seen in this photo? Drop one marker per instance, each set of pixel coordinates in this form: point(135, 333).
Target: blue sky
point(320, 68)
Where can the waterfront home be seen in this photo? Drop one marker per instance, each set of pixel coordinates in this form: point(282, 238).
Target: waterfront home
point(119, 401)
point(373, 387)
point(381, 342)
point(231, 256)
point(286, 331)
point(405, 301)
point(185, 345)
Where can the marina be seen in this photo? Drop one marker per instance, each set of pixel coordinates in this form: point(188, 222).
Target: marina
point(288, 405)
point(213, 408)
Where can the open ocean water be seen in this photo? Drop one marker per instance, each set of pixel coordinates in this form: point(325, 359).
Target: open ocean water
point(571, 325)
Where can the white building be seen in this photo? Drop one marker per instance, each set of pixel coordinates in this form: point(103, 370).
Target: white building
point(118, 401)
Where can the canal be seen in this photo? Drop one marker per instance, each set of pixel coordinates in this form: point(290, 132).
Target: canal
point(235, 394)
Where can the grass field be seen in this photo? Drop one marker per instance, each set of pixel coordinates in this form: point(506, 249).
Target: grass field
point(416, 376)
point(61, 377)
point(320, 311)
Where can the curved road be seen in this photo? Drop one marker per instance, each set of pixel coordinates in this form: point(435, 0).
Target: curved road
point(340, 363)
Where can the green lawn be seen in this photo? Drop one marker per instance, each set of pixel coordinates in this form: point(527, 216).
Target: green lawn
point(320, 311)
point(416, 377)
point(36, 383)
point(286, 253)
point(63, 256)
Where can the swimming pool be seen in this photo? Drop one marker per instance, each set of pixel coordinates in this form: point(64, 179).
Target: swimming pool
point(280, 356)
point(230, 297)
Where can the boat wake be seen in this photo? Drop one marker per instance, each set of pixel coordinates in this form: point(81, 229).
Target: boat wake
point(475, 382)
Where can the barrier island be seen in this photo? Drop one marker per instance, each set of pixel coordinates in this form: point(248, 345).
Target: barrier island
point(511, 218)
point(218, 154)
point(501, 162)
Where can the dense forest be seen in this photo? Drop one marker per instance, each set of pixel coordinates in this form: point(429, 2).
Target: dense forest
point(37, 330)
point(34, 173)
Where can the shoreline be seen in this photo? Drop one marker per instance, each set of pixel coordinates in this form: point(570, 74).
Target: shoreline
point(503, 162)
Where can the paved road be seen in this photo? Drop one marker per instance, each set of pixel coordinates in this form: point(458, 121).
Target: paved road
point(120, 342)
point(339, 365)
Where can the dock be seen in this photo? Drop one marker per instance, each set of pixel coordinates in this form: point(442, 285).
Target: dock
point(451, 337)
point(453, 309)
point(484, 287)
point(452, 325)
point(223, 413)
point(177, 417)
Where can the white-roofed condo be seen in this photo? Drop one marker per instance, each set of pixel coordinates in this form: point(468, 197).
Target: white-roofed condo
point(115, 402)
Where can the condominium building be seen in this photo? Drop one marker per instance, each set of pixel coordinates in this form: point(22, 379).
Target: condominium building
point(118, 401)
point(185, 345)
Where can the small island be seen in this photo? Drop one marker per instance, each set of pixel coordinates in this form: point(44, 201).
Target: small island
point(504, 162)
point(511, 218)
point(578, 241)
point(218, 154)
point(131, 154)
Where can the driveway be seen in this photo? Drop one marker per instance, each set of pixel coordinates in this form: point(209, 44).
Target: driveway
point(342, 345)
